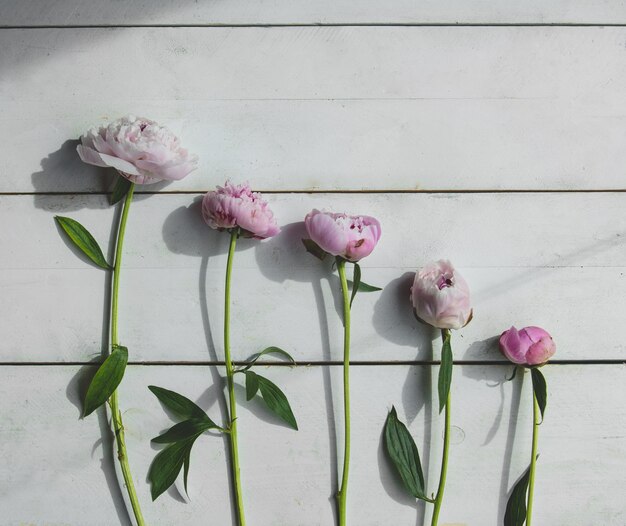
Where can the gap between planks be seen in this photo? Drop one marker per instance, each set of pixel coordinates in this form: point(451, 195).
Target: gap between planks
point(321, 24)
point(313, 363)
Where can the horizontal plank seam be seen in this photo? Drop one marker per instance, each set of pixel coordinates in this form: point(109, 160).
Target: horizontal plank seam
point(307, 363)
point(373, 191)
point(322, 24)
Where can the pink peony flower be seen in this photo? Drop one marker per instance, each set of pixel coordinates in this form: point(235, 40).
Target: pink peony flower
point(441, 296)
point(238, 206)
point(529, 346)
point(139, 149)
point(350, 237)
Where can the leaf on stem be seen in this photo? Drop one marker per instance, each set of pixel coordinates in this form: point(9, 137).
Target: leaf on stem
point(252, 384)
point(540, 389)
point(185, 429)
point(356, 277)
point(403, 453)
point(445, 371)
point(273, 397)
point(269, 350)
point(121, 188)
point(83, 240)
point(178, 404)
point(106, 379)
point(313, 248)
point(364, 287)
point(167, 465)
point(515, 514)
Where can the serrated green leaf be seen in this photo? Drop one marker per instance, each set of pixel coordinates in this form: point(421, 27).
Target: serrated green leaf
point(356, 283)
point(540, 389)
point(252, 384)
point(269, 350)
point(404, 456)
point(167, 465)
point(185, 429)
point(178, 404)
point(515, 514)
point(106, 379)
point(120, 189)
point(313, 248)
point(276, 401)
point(83, 240)
point(445, 371)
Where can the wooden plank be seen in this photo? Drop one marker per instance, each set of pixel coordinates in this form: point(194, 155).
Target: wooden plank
point(554, 267)
point(288, 476)
point(326, 108)
point(111, 12)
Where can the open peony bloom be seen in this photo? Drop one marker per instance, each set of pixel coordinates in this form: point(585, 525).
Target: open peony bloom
point(441, 296)
point(528, 346)
point(139, 149)
point(233, 206)
point(350, 237)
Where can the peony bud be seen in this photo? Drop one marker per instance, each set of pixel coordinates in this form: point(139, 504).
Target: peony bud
point(350, 237)
point(238, 206)
point(529, 346)
point(139, 149)
point(441, 296)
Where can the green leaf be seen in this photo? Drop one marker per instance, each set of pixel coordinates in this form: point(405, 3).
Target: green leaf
point(121, 188)
point(515, 514)
point(540, 389)
point(313, 248)
point(186, 469)
point(252, 384)
point(178, 404)
point(403, 453)
point(269, 350)
point(276, 401)
point(356, 282)
point(184, 430)
point(106, 379)
point(364, 287)
point(445, 371)
point(167, 465)
point(83, 240)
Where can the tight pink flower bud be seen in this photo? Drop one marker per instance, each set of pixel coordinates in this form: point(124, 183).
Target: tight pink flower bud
point(441, 296)
point(139, 149)
point(528, 346)
point(350, 237)
point(233, 206)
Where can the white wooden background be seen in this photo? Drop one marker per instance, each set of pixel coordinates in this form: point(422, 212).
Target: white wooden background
point(490, 133)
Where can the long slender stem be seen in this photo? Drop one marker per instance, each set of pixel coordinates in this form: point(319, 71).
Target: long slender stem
point(116, 415)
point(234, 450)
point(533, 460)
point(342, 494)
point(445, 334)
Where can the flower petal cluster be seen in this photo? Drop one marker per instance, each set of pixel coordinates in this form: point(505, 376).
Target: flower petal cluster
point(346, 236)
point(528, 346)
point(139, 149)
point(233, 205)
point(441, 296)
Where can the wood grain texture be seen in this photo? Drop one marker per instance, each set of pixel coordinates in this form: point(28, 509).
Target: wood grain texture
point(548, 259)
point(326, 108)
point(288, 476)
point(112, 12)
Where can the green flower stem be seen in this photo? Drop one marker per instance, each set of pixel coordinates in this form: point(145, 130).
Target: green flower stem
point(116, 415)
point(341, 495)
point(533, 460)
point(234, 450)
point(445, 333)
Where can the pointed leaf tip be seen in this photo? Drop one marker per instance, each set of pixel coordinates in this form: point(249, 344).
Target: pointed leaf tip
point(106, 379)
point(83, 240)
